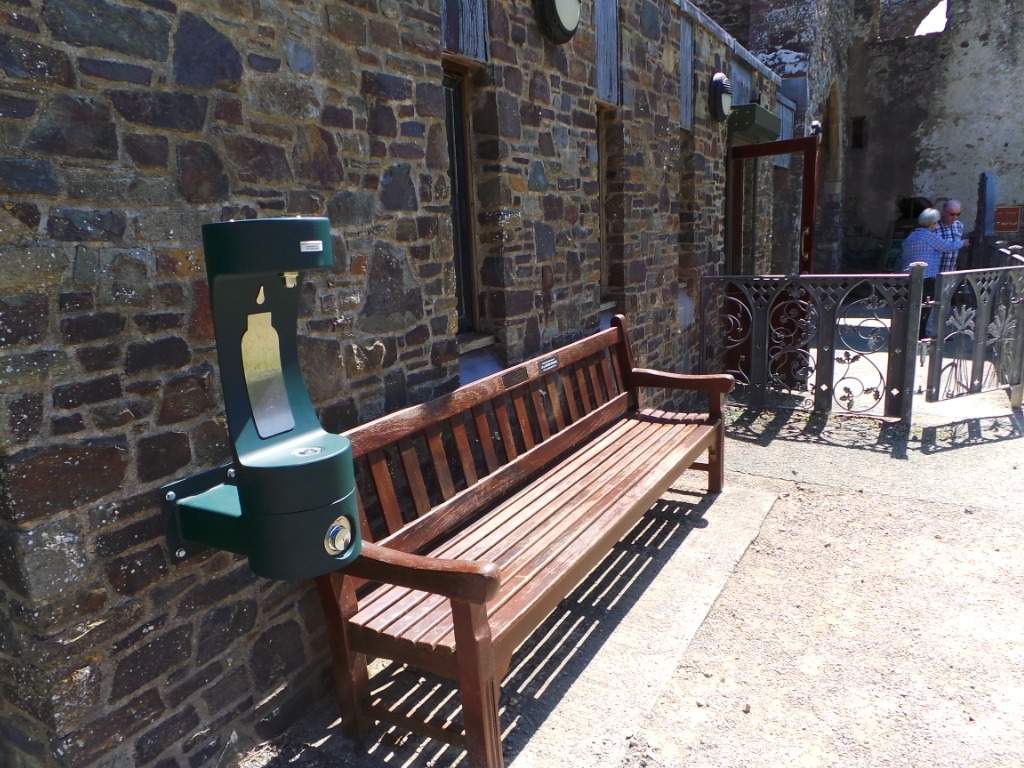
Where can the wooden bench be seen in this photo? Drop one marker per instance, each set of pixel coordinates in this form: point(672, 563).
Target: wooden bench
point(481, 510)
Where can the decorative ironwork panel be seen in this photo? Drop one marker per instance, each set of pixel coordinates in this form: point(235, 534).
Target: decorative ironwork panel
point(979, 339)
point(863, 339)
point(827, 342)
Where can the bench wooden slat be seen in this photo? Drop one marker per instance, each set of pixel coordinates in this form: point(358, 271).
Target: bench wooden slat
point(483, 431)
point(363, 519)
point(413, 475)
point(556, 402)
point(440, 460)
point(505, 428)
point(525, 427)
point(466, 460)
point(593, 372)
point(612, 383)
point(539, 411)
point(582, 384)
point(385, 491)
point(570, 397)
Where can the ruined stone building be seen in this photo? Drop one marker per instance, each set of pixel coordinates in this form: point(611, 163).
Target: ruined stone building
point(491, 194)
point(905, 116)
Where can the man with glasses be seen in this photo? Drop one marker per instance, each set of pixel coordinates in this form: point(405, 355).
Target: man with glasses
point(951, 229)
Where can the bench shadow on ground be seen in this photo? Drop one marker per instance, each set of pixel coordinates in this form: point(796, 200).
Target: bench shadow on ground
point(762, 427)
point(540, 674)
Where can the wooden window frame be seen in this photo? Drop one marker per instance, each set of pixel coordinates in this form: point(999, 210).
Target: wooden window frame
point(460, 176)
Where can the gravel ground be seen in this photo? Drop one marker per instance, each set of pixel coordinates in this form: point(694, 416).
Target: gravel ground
point(876, 618)
point(859, 630)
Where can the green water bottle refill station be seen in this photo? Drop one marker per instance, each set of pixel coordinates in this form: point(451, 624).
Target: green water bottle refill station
point(287, 500)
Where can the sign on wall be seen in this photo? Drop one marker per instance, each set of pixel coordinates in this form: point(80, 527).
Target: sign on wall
point(1007, 218)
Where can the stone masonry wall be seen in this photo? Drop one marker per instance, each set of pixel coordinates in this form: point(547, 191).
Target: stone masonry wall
point(644, 264)
point(801, 38)
point(703, 154)
point(941, 110)
point(534, 124)
point(125, 126)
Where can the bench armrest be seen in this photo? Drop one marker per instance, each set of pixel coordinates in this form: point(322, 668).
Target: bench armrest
point(459, 579)
point(713, 383)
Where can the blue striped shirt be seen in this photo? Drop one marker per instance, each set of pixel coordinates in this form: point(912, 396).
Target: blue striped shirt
point(951, 232)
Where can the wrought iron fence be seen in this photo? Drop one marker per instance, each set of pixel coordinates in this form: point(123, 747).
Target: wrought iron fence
point(979, 339)
point(848, 342)
point(825, 342)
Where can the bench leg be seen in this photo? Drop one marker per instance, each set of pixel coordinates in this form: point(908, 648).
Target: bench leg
point(716, 461)
point(478, 687)
point(351, 679)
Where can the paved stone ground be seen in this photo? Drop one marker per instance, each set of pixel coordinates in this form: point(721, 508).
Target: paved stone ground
point(851, 599)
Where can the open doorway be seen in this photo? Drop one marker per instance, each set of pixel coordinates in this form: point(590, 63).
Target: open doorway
point(742, 207)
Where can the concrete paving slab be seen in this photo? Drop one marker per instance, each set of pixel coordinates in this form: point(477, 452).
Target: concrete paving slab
point(617, 688)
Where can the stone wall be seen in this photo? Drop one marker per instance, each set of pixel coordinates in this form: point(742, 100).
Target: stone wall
point(125, 126)
point(811, 39)
point(534, 123)
point(941, 110)
point(808, 40)
point(900, 18)
point(933, 113)
point(703, 155)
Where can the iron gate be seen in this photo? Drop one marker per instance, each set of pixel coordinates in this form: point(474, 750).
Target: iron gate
point(981, 344)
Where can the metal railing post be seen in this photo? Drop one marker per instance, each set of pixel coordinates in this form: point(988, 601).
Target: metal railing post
point(911, 340)
point(1017, 377)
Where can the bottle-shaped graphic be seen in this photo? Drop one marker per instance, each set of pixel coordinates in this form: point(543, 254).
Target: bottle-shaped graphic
point(264, 379)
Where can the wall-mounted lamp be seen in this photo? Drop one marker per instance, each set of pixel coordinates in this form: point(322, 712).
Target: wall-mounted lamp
point(721, 96)
point(816, 128)
point(557, 19)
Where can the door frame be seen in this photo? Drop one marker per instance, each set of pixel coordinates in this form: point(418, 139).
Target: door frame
point(808, 147)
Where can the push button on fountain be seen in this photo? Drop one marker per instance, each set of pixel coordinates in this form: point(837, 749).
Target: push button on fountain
point(339, 537)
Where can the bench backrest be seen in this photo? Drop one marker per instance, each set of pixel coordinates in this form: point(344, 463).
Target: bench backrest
point(425, 470)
